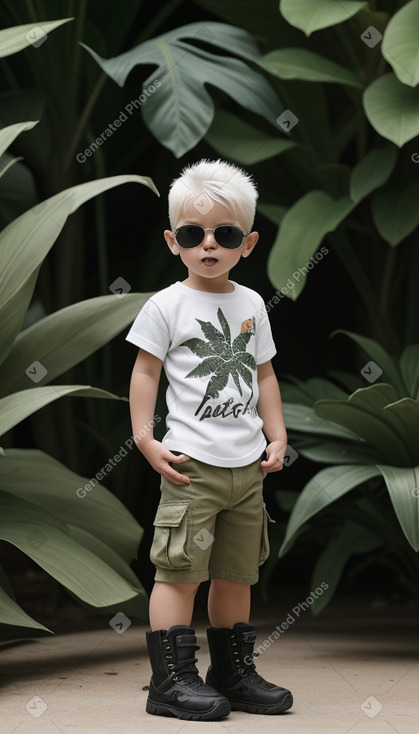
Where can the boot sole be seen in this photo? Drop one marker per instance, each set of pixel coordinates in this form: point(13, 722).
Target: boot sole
point(250, 708)
point(219, 711)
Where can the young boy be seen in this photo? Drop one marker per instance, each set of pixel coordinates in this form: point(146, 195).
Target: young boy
point(213, 338)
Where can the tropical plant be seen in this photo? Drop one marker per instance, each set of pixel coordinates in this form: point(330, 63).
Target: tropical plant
point(348, 148)
point(370, 438)
point(72, 536)
point(98, 244)
point(346, 178)
point(340, 168)
point(182, 71)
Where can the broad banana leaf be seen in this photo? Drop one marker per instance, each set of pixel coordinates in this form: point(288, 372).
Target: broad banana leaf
point(46, 539)
point(64, 338)
point(36, 477)
point(26, 241)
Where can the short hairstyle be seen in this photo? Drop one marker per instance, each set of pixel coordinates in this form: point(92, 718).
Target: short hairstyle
point(214, 181)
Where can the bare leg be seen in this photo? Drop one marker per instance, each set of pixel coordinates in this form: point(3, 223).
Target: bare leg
point(171, 604)
point(228, 603)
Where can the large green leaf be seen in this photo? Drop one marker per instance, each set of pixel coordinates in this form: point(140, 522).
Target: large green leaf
point(400, 43)
point(335, 452)
point(300, 63)
point(179, 110)
point(17, 406)
point(46, 540)
point(364, 414)
point(100, 549)
point(380, 357)
point(273, 212)
point(81, 502)
point(409, 368)
point(405, 418)
point(25, 242)
point(303, 418)
point(136, 607)
point(395, 211)
point(392, 109)
point(324, 488)
point(349, 381)
point(18, 37)
point(6, 162)
point(345, 542)
point(235, 139)
point(10, 133)
point(311, 16)
point(12, 615)
point(308, 391)
point(64, 338)
point(36, 148)
point(403, 488)
point(302, 230)
point(372, 171)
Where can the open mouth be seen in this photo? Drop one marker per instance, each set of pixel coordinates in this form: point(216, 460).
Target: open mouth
point(209, 260)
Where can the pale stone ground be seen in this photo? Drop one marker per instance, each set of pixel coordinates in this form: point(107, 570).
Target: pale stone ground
point(352, 671)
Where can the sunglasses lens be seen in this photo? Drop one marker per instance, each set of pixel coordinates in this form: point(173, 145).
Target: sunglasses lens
point(228, 236)
point(190, 235)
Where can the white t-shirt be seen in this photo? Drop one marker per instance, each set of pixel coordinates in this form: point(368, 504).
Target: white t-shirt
point(210, 345)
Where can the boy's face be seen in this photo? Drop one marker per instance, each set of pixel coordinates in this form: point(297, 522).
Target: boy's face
point(209, 263)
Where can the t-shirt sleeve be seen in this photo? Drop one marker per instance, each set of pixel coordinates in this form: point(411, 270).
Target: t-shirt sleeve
point(265, 345)
point(150, 331)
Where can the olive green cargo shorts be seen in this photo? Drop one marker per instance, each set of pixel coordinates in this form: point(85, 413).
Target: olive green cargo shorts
point(214, 528)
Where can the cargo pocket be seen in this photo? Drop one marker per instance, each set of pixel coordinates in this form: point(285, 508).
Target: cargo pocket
point(170, 536)
point(265, 548)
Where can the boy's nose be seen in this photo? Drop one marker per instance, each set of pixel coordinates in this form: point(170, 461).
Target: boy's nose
point(209, 240)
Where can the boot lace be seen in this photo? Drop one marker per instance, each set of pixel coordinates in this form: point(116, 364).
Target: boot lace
point(244, 668)
point(185, 670)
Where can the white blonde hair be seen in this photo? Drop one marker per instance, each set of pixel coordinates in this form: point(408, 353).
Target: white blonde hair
point(217, 181)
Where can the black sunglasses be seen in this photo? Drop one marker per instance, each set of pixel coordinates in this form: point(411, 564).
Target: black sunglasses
point(191, 235)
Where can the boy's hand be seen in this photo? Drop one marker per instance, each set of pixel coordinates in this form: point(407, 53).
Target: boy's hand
point(160, 459)
point(275, 452)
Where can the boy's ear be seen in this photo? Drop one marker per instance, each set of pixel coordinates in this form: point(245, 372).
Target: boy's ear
point(250, 243)
point(171, 242)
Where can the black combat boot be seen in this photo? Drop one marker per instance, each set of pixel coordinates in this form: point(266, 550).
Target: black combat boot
point(176, 689)
point(233, 673)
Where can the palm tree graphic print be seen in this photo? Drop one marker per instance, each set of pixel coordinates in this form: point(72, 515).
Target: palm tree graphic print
point(222, 357)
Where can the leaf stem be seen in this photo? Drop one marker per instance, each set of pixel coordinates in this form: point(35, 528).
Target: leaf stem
point(382, 328)
point(387, 278)
point(157, 19)
point(77, 51)
point(83, 119)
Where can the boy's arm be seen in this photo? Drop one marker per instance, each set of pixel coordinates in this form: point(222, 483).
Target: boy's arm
point(270, 410)
point(142, 397)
